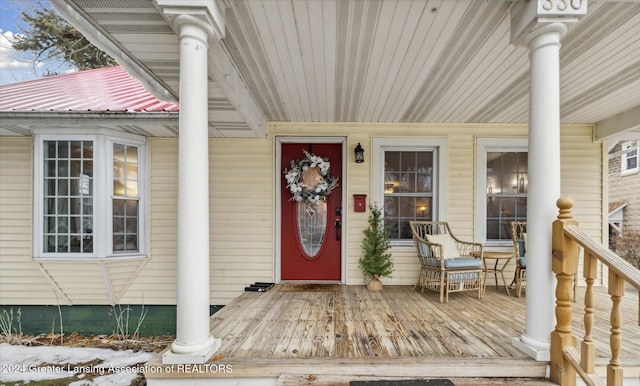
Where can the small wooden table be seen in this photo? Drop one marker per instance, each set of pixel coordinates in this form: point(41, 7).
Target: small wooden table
point(497, 256)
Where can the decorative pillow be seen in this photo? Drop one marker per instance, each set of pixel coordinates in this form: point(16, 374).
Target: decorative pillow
point(449, 246)
point(524, 239)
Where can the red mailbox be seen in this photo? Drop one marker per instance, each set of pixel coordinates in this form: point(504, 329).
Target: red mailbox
point(359, 202)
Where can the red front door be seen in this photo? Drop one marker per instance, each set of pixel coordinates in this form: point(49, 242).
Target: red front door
point(310, 241)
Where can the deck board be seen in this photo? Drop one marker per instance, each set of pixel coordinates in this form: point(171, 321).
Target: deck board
point(396, 322)
point(354, 322)
point(396, 332)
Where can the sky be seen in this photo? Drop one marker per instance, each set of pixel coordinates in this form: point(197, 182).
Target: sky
point(14, 66)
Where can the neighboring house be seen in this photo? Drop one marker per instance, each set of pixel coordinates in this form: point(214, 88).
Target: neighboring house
point(624, 188)
point(457, 106)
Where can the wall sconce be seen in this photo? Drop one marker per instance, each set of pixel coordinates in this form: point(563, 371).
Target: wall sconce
point(359, 153)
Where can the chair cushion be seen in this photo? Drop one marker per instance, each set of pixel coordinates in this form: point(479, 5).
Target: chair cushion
point(456, 263)
point(521, 248)
point(523, 262)
point(449, 245)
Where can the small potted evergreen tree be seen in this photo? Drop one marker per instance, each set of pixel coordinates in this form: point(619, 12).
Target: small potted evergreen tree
point(376, 261)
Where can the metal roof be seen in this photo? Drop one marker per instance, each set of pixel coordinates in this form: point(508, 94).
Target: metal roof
point(108, 89)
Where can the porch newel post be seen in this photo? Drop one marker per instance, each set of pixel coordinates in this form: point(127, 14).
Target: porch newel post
point(540, 25)
point(194, 343)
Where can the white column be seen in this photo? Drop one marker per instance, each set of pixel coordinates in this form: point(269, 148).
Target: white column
point(194, 343)
point(544, 186)
point(540, 25)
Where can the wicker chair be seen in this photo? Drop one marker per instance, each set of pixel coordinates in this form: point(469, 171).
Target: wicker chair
point(447, 264)
point(519, 237)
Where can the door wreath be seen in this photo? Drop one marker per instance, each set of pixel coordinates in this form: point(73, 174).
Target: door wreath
point(309, 179)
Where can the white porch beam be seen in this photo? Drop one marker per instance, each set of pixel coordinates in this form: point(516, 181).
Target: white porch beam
point(221, 67)
point(540, 25)
point(228, 79)
point(615, 127)
point(194, 342)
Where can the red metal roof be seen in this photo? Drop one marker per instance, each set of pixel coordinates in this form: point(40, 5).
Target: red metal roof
point(102, 89)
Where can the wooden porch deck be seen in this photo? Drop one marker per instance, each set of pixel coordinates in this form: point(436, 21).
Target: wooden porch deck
point(394, 333)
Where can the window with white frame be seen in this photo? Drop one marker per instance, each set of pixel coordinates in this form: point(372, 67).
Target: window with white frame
point(502, 181)
point(409, 182)
point(629, 157)
point(89, 196)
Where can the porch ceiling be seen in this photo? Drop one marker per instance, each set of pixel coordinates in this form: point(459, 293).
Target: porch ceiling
point(433, 61)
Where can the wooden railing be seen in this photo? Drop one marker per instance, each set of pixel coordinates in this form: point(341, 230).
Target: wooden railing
point(566, 360)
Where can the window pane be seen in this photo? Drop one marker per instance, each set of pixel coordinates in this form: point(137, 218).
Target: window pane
point(62, 225)
point(521, 208)
point(49, 243)
point(63, 168)
point(118, 224)
point(87, 225)
point(425, 172)
point(63, 187)
point(405, 229)
point(632, 159)
point(50, 169)
point(63, 244)
point(67, 166)
point(423, 208)
point(507, 185)
point(125, 225)
point(118, 208)
point(131, 208)
point(131, 242)
point(118, 243)
point(393, 228)
point(76, 149)
point(125, 170)
point(132, 154)
point(408, 190)
point(50, 206)
point(119, 152)
point(63, 150)
point(63, 205)
point(132, 226)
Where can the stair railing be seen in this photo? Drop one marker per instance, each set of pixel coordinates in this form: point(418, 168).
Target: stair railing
point(566, 360)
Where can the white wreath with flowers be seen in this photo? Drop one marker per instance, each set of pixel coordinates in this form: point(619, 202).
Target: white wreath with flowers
point(295, 179)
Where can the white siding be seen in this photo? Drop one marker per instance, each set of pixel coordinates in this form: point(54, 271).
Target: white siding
point(242, 212)
point(583, 172)
point(21, 281)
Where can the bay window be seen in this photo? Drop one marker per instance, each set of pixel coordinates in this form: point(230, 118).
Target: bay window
point(89, 196)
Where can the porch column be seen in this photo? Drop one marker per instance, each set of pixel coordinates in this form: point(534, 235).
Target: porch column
point(194, 343)
point(540, 25)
